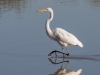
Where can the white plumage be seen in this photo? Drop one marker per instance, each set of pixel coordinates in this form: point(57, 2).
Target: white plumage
point(60, 35)
point(65, 38)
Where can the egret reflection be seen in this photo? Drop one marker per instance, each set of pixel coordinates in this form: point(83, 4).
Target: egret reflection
point(63, 70)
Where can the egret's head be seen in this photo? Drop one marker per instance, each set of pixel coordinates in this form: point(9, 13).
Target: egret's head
point(45, 10)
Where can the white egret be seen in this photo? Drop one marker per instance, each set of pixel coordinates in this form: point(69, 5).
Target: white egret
point(60, 35)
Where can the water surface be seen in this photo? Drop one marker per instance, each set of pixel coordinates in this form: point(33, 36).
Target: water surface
point(24, 45)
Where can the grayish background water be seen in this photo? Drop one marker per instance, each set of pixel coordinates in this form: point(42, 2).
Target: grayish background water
point(24, 45)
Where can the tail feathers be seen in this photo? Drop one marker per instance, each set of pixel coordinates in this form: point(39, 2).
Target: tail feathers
point(80, 44)
point(79, 71)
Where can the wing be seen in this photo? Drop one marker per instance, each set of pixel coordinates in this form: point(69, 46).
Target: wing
point(65, 37)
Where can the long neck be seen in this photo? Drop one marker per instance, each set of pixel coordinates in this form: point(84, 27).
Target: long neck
point(47, 27)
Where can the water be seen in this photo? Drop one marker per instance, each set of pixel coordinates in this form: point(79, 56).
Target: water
point(24, 45)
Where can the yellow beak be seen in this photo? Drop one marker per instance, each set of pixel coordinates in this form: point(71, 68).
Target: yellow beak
point(42, 10)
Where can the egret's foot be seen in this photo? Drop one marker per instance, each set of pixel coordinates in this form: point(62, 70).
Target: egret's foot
point(68, 54)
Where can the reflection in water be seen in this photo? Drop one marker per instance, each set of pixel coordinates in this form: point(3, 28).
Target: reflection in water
point(10, 5)
point(94, 3)
point(96, 0)
point(19, 5)
point(68, 2)
point(63, 70)
point(55, 54)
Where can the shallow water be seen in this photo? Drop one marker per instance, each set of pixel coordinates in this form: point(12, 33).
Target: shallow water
point(24, 45)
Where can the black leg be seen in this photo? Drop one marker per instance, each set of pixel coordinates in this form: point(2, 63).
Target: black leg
point(67, 51)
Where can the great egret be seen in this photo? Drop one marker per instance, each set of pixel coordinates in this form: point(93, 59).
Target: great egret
point(60, 35)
